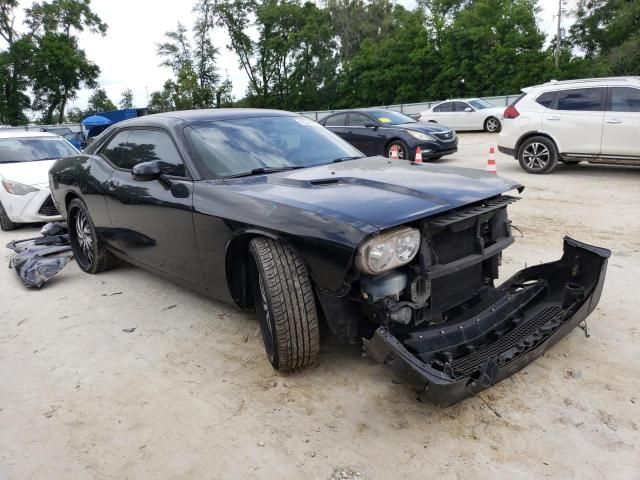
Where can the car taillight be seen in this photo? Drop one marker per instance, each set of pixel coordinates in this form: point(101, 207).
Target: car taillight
point(511, 112)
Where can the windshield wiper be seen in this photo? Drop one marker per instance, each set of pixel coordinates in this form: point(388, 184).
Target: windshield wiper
point(263, 170)
point(344, 159)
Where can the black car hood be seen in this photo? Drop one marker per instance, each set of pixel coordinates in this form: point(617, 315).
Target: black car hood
point(374, 193)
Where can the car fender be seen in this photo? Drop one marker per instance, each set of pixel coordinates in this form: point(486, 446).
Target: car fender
point(534, 133)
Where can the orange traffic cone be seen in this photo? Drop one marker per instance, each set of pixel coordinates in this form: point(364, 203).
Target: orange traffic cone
point(394, 152)
point(418, 155)
point(491, 163)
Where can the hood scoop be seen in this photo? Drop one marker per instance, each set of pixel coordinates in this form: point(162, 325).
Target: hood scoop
point(325, 182)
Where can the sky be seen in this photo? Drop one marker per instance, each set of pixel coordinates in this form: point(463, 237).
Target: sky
point(127, 55)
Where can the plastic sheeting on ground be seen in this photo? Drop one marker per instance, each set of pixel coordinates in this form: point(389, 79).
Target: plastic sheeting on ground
point(38, 259)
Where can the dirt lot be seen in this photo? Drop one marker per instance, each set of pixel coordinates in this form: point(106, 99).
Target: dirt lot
point(189, 394)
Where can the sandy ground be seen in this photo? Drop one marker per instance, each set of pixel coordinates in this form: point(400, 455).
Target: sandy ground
point(190, 395)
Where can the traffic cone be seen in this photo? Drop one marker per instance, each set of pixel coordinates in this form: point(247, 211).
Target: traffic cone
point(491, 163)
point(418, 155)
point(394, 153)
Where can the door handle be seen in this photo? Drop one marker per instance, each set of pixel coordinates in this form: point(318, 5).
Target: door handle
point(112, 185)
point(553, 117)
point(614, 120)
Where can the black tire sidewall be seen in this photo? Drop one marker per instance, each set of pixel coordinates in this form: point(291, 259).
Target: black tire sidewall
point(553, 155)
point(75, 206)
point(256, 272)
point(5, 222)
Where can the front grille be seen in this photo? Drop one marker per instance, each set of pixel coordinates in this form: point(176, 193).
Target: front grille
point(449, 246)
point(48, 208)
point(445, 135)
point(520, 340)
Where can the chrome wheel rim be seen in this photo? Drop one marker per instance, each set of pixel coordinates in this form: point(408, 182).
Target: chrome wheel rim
point(492, 125)
point(536, 156)
point(83, 236)
point(399, 150)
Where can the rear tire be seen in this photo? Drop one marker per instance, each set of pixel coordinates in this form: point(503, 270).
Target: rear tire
point(285, 304)
point(5, 223)
point(538, 155)
point(90, 253)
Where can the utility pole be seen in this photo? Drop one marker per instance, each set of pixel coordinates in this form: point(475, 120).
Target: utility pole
point(558, 34)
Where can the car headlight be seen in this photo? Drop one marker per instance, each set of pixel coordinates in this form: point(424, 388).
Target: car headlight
point(17, 188)
point(389, 250)
point(420, 135)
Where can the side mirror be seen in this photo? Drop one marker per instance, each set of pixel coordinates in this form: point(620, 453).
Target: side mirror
point(371, 125)
point(468, 109)
point(146, 171)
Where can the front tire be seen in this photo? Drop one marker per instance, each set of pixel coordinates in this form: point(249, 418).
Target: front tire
point(5, 222)
point(90, 253)
point(285, 304)
point(538, 155)
point(492, 125)
point(402, 149)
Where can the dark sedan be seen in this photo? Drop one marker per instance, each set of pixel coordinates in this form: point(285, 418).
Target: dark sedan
point(272, 212)
point(376, 131)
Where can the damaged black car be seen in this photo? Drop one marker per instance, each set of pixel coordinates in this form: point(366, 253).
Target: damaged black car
point(272, 212)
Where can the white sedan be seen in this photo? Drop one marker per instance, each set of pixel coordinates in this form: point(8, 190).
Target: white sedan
point(468, 114)
point(25, 159)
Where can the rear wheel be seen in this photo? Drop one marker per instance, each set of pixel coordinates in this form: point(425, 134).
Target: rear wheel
point(5, 223)
point(492, 125)
point(400, 147)
point(285, 304)
point(538, 155)
point(88, 250)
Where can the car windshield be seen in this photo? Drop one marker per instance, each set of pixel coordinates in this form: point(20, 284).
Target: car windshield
point(389, 117)
point(246, 146)
point(479, 104)
point(30, 149)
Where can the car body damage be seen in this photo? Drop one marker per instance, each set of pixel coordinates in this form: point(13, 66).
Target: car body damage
point(506, 329)
point(401, 256)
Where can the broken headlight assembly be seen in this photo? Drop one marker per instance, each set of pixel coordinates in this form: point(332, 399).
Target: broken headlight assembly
point(389, 250)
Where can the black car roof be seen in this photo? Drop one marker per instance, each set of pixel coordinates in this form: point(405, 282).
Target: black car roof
point(213, 114)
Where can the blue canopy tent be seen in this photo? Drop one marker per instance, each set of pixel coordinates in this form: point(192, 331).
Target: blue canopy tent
point(95, 124)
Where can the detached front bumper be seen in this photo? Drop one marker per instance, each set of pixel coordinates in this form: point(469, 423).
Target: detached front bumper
point(504, 331)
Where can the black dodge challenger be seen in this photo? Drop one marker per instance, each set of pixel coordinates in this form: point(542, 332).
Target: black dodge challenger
point(271, 211)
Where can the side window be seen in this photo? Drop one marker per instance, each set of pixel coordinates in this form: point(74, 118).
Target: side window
point(444, 107)
point(546, 99)
point(625, 99)
point(149, 145)
point(114, 150)
point(460, 106)
point(358, 120)
point(339, 120)
point(582, 99)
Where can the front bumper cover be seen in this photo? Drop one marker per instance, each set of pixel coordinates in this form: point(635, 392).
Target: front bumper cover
point(513, 325)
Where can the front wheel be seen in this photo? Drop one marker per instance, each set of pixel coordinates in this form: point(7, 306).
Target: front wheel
point(5, 222)
point(285, 304)
point(538, 155)
point(88, 250)
point(400, 147)
point(492, 125)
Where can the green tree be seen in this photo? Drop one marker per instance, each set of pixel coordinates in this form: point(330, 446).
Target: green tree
point(99, 101)
point(126, 98)
point(608, 32)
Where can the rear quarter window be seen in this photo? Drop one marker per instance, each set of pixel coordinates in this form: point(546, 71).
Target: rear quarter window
point(546, 99)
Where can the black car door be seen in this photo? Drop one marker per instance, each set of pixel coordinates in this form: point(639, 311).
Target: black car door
point(365, 134)
point(153, 220)
point(338, 125)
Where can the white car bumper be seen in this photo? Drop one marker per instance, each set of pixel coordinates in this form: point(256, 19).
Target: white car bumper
point(32, 207)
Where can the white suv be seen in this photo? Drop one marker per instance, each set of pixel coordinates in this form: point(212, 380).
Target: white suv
point(597, 120)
